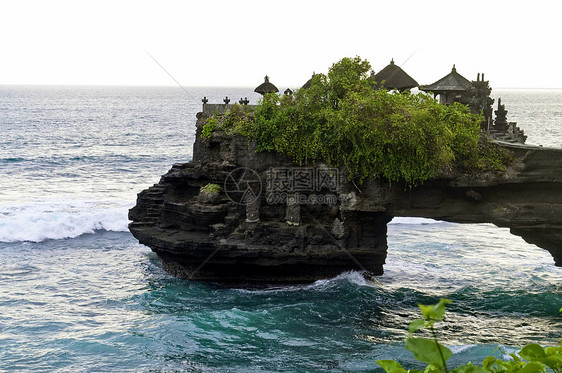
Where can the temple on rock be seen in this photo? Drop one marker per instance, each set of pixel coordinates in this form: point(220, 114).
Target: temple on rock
point(454, 87)
point(450, 89)
point(240, 216)
point(213, 218)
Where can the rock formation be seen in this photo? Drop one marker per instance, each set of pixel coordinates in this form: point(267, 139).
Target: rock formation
point(272, 221)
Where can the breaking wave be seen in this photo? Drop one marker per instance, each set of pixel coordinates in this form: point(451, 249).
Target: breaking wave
point(60, 219)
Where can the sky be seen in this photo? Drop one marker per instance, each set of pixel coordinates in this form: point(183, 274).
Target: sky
point(236, 43)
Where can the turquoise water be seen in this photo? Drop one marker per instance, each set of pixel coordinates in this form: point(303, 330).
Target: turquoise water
point(78, 293)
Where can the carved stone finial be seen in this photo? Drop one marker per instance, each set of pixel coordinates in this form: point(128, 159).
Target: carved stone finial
point(205, 100)
point(454, 70)
point(246, 101)
point(226, 100)
point(478, 77)
point(392, 61)
point(501, 116)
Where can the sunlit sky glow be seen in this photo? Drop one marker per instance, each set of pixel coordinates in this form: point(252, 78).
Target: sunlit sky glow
point(236, 43)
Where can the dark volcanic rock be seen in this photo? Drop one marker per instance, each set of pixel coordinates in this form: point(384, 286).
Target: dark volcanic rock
point(528, 199)
point(259, 229)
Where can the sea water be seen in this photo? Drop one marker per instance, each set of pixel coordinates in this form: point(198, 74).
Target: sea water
point(79, 294)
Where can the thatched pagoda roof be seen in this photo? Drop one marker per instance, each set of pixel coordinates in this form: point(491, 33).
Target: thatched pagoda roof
point(308, 82)
point(452, 82)
point(393, 77)
point(266, 87)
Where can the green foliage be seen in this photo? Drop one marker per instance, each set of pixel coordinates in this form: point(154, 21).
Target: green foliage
point(348, 75)
point(234, 120)
point(429, 351)
point(532, 358)
point(211, 189)
point(209, 127)
point(391, 366)
point(342, 119)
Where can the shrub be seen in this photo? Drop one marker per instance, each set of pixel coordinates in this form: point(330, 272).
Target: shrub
point(342, 119)
point(210, 189)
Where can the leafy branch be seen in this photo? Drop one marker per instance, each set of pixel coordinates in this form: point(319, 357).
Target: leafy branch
point(530, 359)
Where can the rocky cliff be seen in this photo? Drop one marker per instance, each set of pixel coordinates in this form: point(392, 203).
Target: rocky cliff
point(234, 215)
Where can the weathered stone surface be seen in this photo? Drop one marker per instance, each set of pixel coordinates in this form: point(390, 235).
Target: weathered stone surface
point(217, 238)
point(528, 199)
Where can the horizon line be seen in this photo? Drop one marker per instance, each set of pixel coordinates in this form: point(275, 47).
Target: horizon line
point(175, 86)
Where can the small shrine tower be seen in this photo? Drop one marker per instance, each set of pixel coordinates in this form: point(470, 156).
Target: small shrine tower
point(266, 87)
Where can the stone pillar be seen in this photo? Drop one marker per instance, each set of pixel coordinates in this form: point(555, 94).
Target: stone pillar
point(293, 210)
point(253, 211)
point(338, 228)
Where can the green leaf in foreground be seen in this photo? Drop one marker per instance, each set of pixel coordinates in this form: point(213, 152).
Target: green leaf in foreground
point(416, 325)
point(532, 358)
point(391, 366)
point(532, 367)
point(469, 368)
point(532, 352)
point(428, 351)
point(434, 312)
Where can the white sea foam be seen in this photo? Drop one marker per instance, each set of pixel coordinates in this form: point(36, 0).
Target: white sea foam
point(413, 221)
point(354, 277)
point(461, 348)
point(58, 219)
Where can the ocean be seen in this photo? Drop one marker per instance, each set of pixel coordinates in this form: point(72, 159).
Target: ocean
point(79, 294)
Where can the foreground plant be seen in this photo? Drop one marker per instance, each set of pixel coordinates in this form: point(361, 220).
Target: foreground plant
point(531, 358)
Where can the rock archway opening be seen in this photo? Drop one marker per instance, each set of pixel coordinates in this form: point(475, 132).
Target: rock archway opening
point(429, 248)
